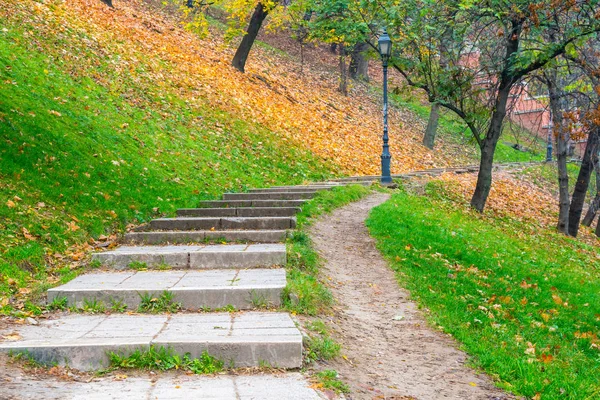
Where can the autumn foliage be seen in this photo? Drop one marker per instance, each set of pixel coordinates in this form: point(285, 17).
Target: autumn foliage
point(151, 49)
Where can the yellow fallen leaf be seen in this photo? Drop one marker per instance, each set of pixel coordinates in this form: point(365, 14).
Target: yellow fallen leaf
point(472, 384)
point(10, 204)
point(12, 336)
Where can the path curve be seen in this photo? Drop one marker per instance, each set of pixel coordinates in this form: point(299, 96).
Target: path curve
point(391, 351)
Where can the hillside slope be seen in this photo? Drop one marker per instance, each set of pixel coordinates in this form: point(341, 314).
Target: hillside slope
point(92, 138)
point(112, 116)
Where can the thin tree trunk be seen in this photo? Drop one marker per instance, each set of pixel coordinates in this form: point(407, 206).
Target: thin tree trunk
point(583, 182)
point(108, 3)
point(432, 125)
point(241, 55)
point(359, 64)
point(562, 147)
point(488, 148)
point(598, 228)
point(343, 71)
point(595, 204)
point(591, 212)
point(488, 144)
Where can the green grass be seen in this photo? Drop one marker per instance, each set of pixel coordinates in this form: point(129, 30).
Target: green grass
point(545, 176)
point(165, 359)
point(452, 129)
point(328, 379)
point(151, 303)
point(523, 301)
point(304, 293)
point(83, 157)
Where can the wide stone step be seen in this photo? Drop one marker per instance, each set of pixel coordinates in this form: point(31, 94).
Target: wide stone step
point(83, 342)
point(277, 386)
point(195, 257)
point(251, 203)
point(239, 212)
point(221, 223)
point(243, 289)
point(183, 237)
point(291, 189)
point(269, 196)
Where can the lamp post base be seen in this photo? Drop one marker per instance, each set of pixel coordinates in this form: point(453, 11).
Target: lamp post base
point(386, 177)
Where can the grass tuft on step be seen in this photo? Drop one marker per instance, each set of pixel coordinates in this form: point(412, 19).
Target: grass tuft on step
point(165, 359)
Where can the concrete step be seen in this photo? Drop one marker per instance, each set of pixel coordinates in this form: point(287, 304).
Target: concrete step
point(84, 341)
point(196, 257)
point(224, 223)
point(183, 237)
point(251, 203)
point(243, 289)
point(239, 212)
point(278, 386)
point(269, 196)
point(291, 189)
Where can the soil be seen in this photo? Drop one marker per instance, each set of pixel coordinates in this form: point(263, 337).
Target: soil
point(389, 351)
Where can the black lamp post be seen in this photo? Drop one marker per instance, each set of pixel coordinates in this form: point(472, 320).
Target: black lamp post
point(385, 50)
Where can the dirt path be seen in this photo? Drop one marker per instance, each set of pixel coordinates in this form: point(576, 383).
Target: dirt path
point(391, 352)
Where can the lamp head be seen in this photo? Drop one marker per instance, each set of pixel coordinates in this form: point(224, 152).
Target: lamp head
point(385, 45)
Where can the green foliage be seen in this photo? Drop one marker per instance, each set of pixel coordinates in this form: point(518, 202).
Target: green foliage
point(58, 304)
point(117, 306)
point(329, 380)
point(93, 306)
point(320, 345)
point(165, 359)
point(321, 348)
point(137, 265)
point(334, 22)
point(150, 303)
point(521, 299)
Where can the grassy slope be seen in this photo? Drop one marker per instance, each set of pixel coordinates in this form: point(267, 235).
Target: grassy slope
point(454, 131)
point(521, 298)
point(80, 157)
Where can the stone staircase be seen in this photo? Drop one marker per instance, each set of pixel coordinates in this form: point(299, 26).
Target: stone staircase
point(178, 256)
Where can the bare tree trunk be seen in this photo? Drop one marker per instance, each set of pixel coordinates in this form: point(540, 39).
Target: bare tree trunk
point(598, 228)
point(108, 3)
point(591, 212)
point(490, 141)
point(583, 182)
point(488, 147)
point(343, 71)
point(241, 55)
point(359, 64)
point(595, 204)
point(562, 147)
point(432, 125)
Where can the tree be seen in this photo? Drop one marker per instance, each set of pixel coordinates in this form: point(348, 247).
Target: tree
point(595, 203)
point(334, 23)
point(561, 132)
point(359, 63)
point(432, 125)
point(241, 55)
point(583, 181)
point(495, 41)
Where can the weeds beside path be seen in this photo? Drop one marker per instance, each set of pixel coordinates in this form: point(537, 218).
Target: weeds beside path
point(388, 348)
